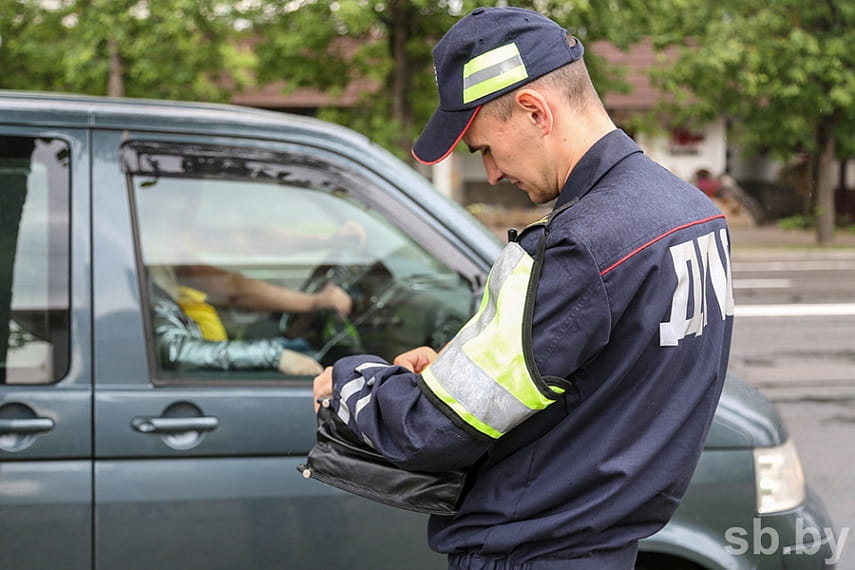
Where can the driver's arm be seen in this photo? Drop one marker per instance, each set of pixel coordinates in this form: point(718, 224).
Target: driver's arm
point(232, 289)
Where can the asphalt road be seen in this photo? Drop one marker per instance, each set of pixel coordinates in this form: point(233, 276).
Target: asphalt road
point(794, 339)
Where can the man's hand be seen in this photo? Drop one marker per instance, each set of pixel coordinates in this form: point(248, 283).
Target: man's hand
point(291, 362)
point(322, 386)
point(414, 360)
point(334, 297)
point(350, 233)
point(417, 359)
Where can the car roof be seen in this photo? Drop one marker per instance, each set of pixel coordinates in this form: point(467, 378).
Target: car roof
point(64, 110)
point(73, 110)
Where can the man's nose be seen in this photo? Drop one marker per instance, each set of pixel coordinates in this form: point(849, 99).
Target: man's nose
point(494, 173)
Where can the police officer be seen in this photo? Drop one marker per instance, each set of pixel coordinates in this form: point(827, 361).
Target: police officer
point(580, 394)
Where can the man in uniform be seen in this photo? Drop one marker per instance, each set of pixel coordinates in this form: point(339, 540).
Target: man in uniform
point(580, 394)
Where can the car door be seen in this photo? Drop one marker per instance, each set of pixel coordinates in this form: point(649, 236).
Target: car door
point(197, 445)
point(45, 373)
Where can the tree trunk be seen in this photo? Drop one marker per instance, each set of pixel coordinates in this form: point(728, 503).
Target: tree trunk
point(805, 176)
point(399, 35)
point(824, 178)
point(116, 81)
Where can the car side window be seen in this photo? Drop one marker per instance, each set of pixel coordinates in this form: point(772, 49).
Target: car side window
point(34, 260)
point(252, 256)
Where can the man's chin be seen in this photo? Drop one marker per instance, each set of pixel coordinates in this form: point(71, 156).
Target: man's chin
point(531, 195)
point(537, 198)
point(534, 195)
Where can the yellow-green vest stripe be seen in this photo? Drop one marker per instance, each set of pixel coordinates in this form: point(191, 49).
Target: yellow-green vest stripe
point(481, 374)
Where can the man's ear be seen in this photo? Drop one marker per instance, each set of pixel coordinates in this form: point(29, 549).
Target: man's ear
point(536, 108)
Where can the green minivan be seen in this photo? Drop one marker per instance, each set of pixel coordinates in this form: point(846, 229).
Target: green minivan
point(112, 458)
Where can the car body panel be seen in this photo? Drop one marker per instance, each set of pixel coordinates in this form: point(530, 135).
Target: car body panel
point(214, 488)
point(46, 477)
point(245, 513)
point(745, 418)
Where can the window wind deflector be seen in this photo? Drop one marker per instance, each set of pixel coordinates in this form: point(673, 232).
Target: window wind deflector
point(157, 159)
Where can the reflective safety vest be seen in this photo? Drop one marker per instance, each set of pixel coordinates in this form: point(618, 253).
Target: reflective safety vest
point(485, 378)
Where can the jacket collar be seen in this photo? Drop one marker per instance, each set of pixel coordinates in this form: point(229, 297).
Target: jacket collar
point(600, 158)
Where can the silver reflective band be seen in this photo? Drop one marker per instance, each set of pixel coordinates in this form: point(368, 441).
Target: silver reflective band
point(367, 365)
point(360, 404)
point(492, 71)
point(354, 386)
point(481, 375)
point(347, 391)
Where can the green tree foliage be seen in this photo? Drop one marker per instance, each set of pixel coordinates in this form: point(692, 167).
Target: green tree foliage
point(29, 50)
point(182, 49)
point(171, 49)
point(386, 46)
point(382, 47)
point(782, 71)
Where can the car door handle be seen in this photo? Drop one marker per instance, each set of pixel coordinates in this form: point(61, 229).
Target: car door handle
point(172, 425)
point(26, 425)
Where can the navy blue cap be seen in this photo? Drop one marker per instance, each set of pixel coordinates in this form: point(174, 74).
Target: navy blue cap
point(486, 54)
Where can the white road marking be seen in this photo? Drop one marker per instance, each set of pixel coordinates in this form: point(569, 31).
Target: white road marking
point(796, 310)
point(762, 283)
point(794, 265)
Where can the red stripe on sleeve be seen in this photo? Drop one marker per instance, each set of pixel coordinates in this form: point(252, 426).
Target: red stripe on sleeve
point(654, 240)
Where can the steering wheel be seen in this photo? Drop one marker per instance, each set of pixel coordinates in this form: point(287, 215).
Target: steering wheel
point(331, 334)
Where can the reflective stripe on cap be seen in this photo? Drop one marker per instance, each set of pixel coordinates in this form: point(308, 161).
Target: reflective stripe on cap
point(492, 71)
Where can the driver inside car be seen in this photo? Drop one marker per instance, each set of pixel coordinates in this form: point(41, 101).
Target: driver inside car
point(194, 301)
point(189, 333)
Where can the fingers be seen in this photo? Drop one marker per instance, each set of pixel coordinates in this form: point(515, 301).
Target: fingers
point(322, 386)
point(351, 231)
point(341, 301)
point(291, 362)
point(334, 297)
point(417, 359)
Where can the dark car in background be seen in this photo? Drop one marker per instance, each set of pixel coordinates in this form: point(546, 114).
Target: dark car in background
point(110, 458)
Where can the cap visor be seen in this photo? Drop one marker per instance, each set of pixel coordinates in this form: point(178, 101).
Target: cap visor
point(441, 134)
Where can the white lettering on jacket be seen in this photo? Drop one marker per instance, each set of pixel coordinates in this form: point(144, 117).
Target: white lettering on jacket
point(698, 262)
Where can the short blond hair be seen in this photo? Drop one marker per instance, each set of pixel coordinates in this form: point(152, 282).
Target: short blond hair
point(571, 80)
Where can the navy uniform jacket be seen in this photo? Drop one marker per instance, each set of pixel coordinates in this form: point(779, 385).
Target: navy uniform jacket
point(634, 305)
